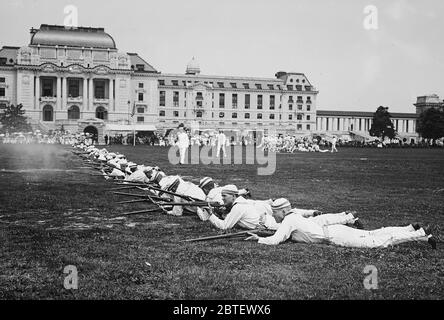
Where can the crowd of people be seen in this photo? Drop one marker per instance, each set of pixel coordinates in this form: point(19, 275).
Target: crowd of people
point(226, 207)
point(37, 137)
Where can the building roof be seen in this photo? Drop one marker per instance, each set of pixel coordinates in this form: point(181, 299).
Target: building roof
point(10, 53)
point(137, 60)
point(52, 35)
point(193, 67)
point(335, 113)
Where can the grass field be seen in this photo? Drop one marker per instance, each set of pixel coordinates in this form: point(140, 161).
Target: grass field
point(54, 214)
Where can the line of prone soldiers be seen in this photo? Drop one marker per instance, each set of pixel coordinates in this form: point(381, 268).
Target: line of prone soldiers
point(228, 207)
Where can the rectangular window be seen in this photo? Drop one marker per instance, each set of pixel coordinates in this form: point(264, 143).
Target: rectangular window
point(73, 88)
point(308, 127)
point(234, 100)
point(308, 117)
point(2, 80)
point(140, 110)
point(290, 117)
point(234, 115)
point(247, 101)
point(2, 92)
point(290, 87)
point(290, 107)
point(247, 116)
point(140, 67)
point(299, 117)
point(140, 85)
point(220, 84)
point(162, 98)
point(140, 96)
point(175, 82)
point(140, 119)
point(221, 100)
point(246, 85)
point(298, 87)
point(258, 86)
point(161, 82)
point(3, 61)
point(47, 88)
point(176, 98)
point(300, 100)
point(271, 87)
point(259, 115)
point(308, 108)
point(233, 85)
point(272, 102)
point(176, 113)
point(162, 113)
point(272, 116)
point(259, 101)
point(99, 89)
point(299, 106)
point(299, 127)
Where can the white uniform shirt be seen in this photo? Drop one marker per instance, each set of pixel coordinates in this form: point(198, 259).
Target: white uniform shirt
point(221, 139)
point(138, 176)
point(183, 140)
point(243, 213)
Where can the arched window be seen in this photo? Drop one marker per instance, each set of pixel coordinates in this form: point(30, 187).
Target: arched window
point(74, 113)
point(48, 113)
point(101, 113)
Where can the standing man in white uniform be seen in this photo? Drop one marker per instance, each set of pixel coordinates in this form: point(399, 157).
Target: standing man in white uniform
point(221, 142)
point(183, 143)
point(333, 144)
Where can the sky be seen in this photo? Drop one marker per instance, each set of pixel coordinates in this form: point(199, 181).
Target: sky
point(358, 57)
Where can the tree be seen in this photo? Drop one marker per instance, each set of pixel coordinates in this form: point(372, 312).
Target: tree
point(431, 124)
point(382, 126)
point(13, 119)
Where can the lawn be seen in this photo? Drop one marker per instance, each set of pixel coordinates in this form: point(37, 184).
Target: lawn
point(54, 214)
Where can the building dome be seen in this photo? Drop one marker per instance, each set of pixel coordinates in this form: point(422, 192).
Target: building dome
point(50, 35)
point(193, 67)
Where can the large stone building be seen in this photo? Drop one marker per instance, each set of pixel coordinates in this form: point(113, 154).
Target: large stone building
point(77, 78)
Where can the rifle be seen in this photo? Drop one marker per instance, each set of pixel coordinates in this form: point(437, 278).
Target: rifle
point(227, 235)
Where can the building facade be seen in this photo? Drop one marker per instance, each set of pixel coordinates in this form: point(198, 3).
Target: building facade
point(286, 103)
point(77, 79)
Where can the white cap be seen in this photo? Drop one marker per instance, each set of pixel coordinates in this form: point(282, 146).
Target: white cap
point(230, 189)
point(204, 181)
point(280, 204)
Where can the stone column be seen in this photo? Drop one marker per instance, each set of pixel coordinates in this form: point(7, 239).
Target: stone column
point(37, 93)
point(59, 94)
point(90, 94)
point(64, 93)
point(85, 94)
point(111, 95)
